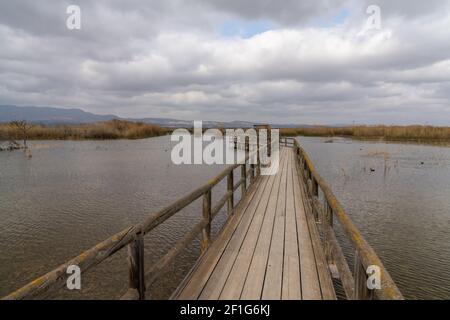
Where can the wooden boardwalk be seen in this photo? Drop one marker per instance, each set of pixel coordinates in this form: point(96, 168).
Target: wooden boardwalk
point(269, 249)
point(279, 241)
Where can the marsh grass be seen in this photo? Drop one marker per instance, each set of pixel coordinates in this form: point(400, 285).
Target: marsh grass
point(114, 129)
point(391, 133)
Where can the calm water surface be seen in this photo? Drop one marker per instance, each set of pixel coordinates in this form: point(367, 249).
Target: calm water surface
point(398, 195)
point(71, 195)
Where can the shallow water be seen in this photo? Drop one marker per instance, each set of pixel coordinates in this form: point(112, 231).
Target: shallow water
point(398, 195)
point(71, 195)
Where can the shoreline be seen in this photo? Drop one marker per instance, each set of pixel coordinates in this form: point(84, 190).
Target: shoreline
point(436, 142)
point(401, 134)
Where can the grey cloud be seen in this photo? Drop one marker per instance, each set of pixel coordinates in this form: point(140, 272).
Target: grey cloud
point(288, 11)
point(165, 58)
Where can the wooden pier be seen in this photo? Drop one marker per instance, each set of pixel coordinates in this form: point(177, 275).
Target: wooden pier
point(278, 242)
point(267, 250)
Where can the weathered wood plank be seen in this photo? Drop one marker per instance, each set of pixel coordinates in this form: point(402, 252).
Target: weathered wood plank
point(274, 272)
point(215, 283)
point(335, 253)
point(203, 269)
point(326, 283)
point(206, 231)
point(230, 187)
point(136, 266)
point(291, 269)
point(269, 253)
point(235, 282)
point(308, 270)
point(255, 278)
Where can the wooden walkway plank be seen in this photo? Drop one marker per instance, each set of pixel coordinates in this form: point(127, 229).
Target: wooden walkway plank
point(291, 271)
point(326, 283)
point(255, 278)
point(199, 275)
point(270, 249)
point(217, 280)
point(274, 272)
point(237, 277)
point(309, 277)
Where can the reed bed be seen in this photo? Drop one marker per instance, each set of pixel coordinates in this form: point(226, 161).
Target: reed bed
point(405, 133)
point(114, 129)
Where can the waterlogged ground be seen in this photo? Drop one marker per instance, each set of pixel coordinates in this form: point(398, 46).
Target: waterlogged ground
point(71, 195)
point(399, 197)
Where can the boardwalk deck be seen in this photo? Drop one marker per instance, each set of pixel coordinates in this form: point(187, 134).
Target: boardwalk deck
point(270, 247)
point(268, 250)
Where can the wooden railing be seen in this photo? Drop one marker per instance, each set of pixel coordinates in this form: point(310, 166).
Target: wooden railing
point(287, 142)
point(141, 279)
point(325, 213)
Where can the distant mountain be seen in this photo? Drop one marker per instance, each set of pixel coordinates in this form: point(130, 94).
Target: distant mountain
point(48, 115)
point(51, 116)
point(174, 123)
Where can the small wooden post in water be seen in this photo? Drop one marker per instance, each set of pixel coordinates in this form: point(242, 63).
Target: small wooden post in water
point(206, 232)
point(136, 265)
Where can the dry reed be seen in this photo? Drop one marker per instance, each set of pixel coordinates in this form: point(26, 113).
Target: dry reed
point(114, 129)
point(410, 133)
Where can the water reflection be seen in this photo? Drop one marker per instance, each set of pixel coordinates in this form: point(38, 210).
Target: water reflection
point(398, 196)
point(71, 195)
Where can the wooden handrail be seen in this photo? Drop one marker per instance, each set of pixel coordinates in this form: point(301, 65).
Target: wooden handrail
point(139, 281)
point(133, 237)
point(354, 285)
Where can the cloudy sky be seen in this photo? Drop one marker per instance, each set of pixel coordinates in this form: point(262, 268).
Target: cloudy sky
point(285, 61)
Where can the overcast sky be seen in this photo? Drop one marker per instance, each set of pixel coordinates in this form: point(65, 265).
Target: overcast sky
point(285, 61)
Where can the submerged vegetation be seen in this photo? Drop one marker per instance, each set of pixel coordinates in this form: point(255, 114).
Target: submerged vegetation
point(389, 133)
point(114, 129)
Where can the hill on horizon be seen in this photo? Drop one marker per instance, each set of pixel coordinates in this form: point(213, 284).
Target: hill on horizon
point(54, 116)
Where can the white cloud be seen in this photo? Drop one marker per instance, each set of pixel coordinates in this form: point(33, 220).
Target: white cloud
point(153, 58)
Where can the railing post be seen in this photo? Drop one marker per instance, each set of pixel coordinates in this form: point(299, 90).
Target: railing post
point(258, 167)
point(244, 180)
point(250, 159)
point(136, 275)
point(206, 232)
point(258, 160)
point(230, 186)
point(308, 181)
point(314, 187)
point(361, 291)
point(327, 227)
point(315, 195)
point(305, 172)
point(252, 172)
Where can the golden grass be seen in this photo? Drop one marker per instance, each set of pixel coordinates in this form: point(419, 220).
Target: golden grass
point(405, 133)
point(114, 129)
